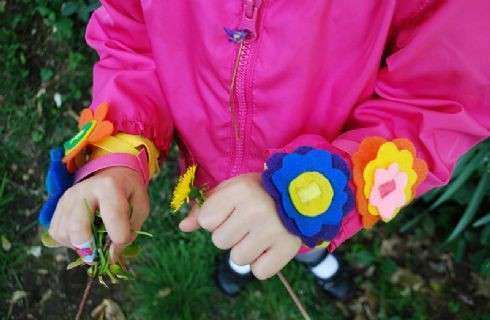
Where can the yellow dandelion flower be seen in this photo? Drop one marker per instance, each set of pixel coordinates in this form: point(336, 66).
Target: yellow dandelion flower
point(183, 188)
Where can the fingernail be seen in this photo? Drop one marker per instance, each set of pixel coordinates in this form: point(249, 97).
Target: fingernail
point(87, 251)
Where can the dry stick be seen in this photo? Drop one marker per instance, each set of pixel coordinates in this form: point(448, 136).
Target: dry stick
point(90, 281)
point(293, 296)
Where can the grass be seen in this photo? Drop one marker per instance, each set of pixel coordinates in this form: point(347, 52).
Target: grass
point(398, 275)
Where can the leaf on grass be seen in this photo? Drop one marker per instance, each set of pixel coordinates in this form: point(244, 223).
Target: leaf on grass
point(164, 292)
point(388, 247)
point(482, 286)
point(17, 295)
point(108, 310)
point(472, 207)
point(407, 279)
point(6, 245)
point(75, 264)
point(34, 251)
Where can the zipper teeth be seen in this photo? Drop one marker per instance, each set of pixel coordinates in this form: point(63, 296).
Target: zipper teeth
point(232, 89)
point(238, 92)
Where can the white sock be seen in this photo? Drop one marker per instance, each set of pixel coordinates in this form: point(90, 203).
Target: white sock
point(239, 269)
point(326, 268)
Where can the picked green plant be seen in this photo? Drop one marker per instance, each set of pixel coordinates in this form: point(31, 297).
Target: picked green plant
point(106, 267)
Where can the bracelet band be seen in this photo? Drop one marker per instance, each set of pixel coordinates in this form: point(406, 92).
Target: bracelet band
point(138, 163)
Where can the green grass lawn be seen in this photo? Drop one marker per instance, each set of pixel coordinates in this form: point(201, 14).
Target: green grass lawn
point(45, 70)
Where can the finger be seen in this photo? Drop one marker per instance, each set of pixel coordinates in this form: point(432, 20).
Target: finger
point(67, 222)
point(116, 254)
point(230, 232)
point(114, 210)
point(250, 248)
point(79, 228)
point(140, 208)
point(56, 230)
point(190, 222)
point(275, 258)
point(216, 209)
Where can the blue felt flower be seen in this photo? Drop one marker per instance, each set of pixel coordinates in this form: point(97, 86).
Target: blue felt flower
point(312, 191)
point(58, 180)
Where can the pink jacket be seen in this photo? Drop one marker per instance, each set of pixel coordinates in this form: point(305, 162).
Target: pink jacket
point(311, 72)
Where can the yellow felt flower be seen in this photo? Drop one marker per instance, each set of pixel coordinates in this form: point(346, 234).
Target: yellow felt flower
point(183, 188)
point(388, 154)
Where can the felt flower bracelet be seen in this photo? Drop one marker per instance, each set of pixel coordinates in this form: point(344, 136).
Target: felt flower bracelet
point(93, 148)
point(314, 189)
point(386, 175)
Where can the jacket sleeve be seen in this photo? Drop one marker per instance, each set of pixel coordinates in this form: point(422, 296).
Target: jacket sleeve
point(433, 89)
point(125, 75)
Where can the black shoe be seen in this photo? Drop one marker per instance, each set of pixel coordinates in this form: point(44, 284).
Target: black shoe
point(228, 280)
point(339, 286)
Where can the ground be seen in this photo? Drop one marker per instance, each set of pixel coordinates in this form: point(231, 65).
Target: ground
point(45, 72)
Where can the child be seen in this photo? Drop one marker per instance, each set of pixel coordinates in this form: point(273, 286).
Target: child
point(308, 120)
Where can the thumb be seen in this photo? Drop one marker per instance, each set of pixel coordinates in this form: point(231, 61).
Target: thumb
point(190, 223)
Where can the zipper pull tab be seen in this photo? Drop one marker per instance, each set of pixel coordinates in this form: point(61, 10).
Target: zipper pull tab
point(249, 18)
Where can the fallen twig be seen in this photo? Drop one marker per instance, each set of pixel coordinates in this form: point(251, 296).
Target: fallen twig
point(293, 296)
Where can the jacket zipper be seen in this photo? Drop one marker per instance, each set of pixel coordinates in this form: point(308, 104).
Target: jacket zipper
point(240, 85)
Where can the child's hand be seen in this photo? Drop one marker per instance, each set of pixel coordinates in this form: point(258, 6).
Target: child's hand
point(113, 191)
point(241, 215)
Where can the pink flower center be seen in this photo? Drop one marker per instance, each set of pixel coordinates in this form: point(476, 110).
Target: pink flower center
point(387, 188)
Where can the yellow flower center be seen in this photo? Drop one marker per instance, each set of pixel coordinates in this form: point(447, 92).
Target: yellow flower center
point(311, 193)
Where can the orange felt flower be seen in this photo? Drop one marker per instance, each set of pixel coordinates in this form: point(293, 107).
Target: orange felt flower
point(368, 153)
point(93, 128)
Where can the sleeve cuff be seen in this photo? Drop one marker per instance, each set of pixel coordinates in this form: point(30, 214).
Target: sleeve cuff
point(131, 144)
